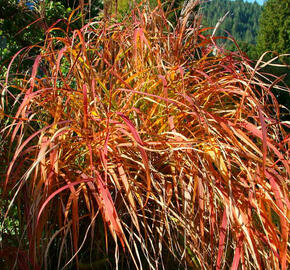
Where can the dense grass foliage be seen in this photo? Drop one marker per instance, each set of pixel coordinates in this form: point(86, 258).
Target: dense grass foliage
point(137, 139)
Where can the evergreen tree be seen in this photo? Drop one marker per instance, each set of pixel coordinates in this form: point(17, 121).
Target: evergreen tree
point(274, 31)
point(274, 35)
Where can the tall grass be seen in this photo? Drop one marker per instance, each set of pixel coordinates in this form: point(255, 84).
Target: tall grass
point(136, 138)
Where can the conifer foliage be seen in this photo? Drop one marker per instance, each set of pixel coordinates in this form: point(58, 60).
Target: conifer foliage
point(274, 33)
point(242, 21)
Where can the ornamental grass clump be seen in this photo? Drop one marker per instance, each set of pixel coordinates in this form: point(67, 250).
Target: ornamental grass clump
point(138, 139)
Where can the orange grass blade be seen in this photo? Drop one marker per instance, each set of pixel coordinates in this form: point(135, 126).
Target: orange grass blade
point(142, 151)
point(223, 228)
point(59, 191)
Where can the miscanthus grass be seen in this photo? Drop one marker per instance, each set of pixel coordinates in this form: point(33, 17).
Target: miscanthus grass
point(134, 139)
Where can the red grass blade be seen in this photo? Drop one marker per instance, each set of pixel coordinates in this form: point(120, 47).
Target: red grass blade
point(223, 229)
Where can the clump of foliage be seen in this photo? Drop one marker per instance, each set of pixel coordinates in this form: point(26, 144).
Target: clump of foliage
point(23, 23)
point(139, 139)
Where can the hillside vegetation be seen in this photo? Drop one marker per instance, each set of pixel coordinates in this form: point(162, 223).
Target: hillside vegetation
point(241, 22)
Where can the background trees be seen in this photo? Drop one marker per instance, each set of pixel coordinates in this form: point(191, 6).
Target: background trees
point(274, 33)
point(241, 22)
point(256, 36)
